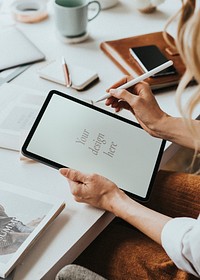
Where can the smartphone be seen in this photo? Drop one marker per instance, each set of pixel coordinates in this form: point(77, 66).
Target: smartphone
point(149, 57)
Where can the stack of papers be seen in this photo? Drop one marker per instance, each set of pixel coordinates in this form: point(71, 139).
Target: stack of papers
point(19, 107)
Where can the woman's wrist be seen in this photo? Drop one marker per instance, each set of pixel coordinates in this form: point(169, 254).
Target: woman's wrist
point(162, 129)
point(120, 203)
point(115, 202)
point(176, 130)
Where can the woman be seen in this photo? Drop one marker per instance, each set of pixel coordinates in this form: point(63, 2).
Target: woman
point(180, 237)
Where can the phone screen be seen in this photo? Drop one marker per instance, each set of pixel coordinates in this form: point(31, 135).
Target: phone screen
point(149, 57)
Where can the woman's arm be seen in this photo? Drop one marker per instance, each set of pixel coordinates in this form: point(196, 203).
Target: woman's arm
point(102, 193)
point(179, 237)
point(177, 131)
point(148, 221)
point(141, 101)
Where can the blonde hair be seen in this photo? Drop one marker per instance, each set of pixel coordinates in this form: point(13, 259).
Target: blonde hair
point(188, 45)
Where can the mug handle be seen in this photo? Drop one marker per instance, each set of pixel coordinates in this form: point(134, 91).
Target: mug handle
point(98, 11)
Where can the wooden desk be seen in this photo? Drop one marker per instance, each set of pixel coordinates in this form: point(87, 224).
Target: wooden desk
point(79, 224)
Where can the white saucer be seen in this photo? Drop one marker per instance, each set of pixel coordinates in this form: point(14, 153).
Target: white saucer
point(74, 40)
point(106, 4)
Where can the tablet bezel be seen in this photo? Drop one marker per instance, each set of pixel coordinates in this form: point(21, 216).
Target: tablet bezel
point(56, 165)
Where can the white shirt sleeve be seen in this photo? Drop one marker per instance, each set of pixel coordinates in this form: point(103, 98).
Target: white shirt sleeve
point(181, 240)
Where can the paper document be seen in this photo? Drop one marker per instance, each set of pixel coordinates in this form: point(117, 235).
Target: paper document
point(19, 107)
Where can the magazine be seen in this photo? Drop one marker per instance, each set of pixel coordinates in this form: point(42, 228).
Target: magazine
point(24, 215)
point(119, 52)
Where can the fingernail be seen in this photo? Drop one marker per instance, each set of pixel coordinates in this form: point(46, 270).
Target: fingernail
point(63, 171)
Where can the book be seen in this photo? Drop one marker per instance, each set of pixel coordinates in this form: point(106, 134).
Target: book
point(118, 51)
point(81, 76)
point(16, 49)
point(19, 107)
point(24, 216)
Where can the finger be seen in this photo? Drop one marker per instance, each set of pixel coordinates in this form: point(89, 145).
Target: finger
point(73, 175)
point(123, 105)
point(114, 103)
point(79, 199)
point(110, 100)
point(124, 95)
point(117, 104)
point(118, 83)
point(141, 87)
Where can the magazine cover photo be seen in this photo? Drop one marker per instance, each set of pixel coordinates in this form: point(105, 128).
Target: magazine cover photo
point(23, 215)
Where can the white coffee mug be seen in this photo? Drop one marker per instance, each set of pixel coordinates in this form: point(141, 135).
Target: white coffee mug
point(71, 16)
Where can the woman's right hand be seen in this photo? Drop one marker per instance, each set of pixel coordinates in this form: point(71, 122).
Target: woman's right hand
point(140, 100)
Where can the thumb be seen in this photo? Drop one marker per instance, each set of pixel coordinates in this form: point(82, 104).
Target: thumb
point(73, 175)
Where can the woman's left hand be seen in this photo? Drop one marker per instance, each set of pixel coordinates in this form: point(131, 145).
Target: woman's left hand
point(93, 189)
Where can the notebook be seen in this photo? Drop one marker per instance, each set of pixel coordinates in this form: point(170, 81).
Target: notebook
point(81, 76)
point(72, 133)
point(119, 52)
point(16, 49)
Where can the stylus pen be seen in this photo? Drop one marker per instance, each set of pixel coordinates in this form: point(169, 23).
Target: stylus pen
point(139, 78)
point(66, 73)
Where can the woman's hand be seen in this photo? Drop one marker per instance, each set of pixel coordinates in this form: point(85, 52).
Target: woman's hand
point(140, 100)
point(93, 189)
point(102, 193)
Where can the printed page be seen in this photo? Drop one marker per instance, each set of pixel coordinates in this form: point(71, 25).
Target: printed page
point(19, 107)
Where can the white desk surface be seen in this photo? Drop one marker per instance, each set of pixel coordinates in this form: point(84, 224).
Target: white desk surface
point(78, 224)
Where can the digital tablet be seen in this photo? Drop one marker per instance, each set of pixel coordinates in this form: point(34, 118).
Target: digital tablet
point(71, 133)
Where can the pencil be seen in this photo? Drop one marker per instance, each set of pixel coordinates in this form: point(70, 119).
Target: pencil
point(139, 78)
point(66, 73)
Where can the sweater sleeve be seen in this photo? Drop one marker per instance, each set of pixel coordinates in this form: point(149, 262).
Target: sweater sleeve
point(181, 240)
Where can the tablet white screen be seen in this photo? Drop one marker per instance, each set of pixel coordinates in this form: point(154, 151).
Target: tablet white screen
point(82, 138)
